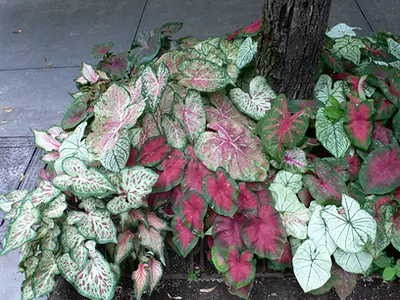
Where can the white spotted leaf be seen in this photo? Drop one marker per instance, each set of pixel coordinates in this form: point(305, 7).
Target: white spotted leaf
point(246, 53)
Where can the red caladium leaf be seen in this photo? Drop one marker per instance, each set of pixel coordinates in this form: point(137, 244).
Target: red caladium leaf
point(279, 129)
point(247, 200)
point(305, 197)
point(227, 232)
point(396, 193)
point(234, 148)
point(264, 234)
point(384, 109)
point(326, 185)
point(153, 151)
point(141, 280)
point(156, 273)
point(355, 165)
point(184, 239)
point(124, 247)
point(285, 260)
point(132, 157)
point(221, 192)
point(241, 268)
point(358, 123)
point(171, 28)
point(380, 171)
point(194, 174)
point(243, 292)
point(193, 208)
point(264, 195)
point(99, 50)
point(382, 134)
point(250, 30)
point(116, 65)
point(172, 175)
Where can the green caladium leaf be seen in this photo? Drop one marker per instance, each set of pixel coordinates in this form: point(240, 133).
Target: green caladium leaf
point(203, 75)
point(43, 281)
point(124, 247)
point(95, 279)
point(191, 114)
point(146, 47)
point(154, 84)
point(246, 53)
point(323, 90)
point(351, 228)
point(83, 181)
point(174, 132)
point(341, 30)
point(132, 184)
point(357, 263)
point(8, 200)
point(152, 240)
point(331, 134)
point(115, 159)
point(318, 231)
point(312, 265)
point(55, 209)
point(257, 101)
point(289, 180)
point(348, 48)
point(20, 229)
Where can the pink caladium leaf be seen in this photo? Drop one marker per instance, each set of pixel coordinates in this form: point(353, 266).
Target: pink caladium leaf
point(172, 60)
point(227, 232)
point(172, 174)
point(156, 273)
point(241, 268)
point(380, 171)
point(280, 130)
point(76, 112)
point(152, 240)
point(114, 111)
point(156, 222)
point(358, 123)
point(294, 160)
point(116, 65)
point(285, 261)
point(44, 193)
point(154, 83)
point(221, 192)
point(264, 234)
point(45, 141)
point(43, 281)
point(250, 30)
point(184, 239)
point(247, 200)
point(326, 186)
point(343, 282)
point(174, 132)
point(95, 279)
point(141, 280)
point(146, 47)
point(194, 174)
point(153, 151)
point(384, 109)
point(99, 50)
point(191, 114)
point(125, 246)
point(149, 129)
point(354, 166)
point(193, 208)
point(235, 148)
point(171, 28)
point(203, 75)
point(382, 134)
point(89, 73)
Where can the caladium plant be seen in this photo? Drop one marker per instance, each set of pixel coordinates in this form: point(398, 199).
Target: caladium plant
point(180, 139)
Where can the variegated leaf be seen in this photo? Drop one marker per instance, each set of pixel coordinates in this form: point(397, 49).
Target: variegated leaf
point(124, 247)
point(323, 90)
point(141, 280)
point(174, 132)
point(115, 159)
point(154, 84)
point(45, 141)
point(56, 207)
point(7, 200)
point(156, 273)
point(44, 193)
point(152, 240)
point(43, 281)
point(318, 231)
point(341, 30)
point(89, 73)
point(75, 242)
point(348, 48)
point(50, 240)
point(246, 53)
point(289, 180)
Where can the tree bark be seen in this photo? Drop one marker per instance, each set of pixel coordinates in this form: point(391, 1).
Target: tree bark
point(292, 33)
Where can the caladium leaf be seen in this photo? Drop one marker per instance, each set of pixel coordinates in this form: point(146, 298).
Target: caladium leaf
point(156, 273)
point(7, 200)
point(380, 171)
point(247, 200)
point(391, 89)
point(20, 229)
point(115, 159)
point(358, 123)
point(114, 111)
point(203, 76)
point(76, 112)
point(194, 173)
point(246, 53)
point(384, 109)
point(147, 45)
point(192, 115)
point(89, 73)
point(227, 232)
point(341, 30)
point(264, 233)
point(295, 161)
point(171, 28)
point(141, 280)
point(154, 84)
point(234, 148)
point(250, 30)
point(152, 239)
point(153, 151)
point(124, 247)
point(230, 49)
point(312, 265)
point(396, 125)
point(183, 238)
point(396, 231)
point(100, 50)
point(318, 231)
point(279, 129)
point(44, 193)
point(348, 48)
point(132, 184)
point(257, 101)
point(156, 222)
point(241, 268)
point(331, 134)
point(83, 181)
point(285, 261)
point(43, 281)
point(323, 90)
point(55, 209)
point(351, 228)
point(343, 282)
point(221, 192)
point(290, 180)
point(357, 263)
point(75, 243)
point(172, 174)
point(193, 208)
point(45, 141)
point(94, 280)
point(174, 132)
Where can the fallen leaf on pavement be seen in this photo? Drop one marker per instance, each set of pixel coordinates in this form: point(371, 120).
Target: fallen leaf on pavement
point(17, 31)
point(3, 122)
point(8, 109)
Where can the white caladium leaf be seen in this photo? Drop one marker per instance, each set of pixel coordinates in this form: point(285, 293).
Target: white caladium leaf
point(45, 141)
point(192, 115)
point(154, 84)
point(141, 280)
point(174, 132)
point(20, 229)
point(115, 159)
point(341, 30)
point(394, 48)
point(95, 279)
point(348, 48)
point(44, 193)
point(89, 73)
point(296, 223)
point(323, 90)
point(257, 101)
point(331, 134)
point(56, 207)
point(83, 181)
point(124, 247)
point(7, 200)
point(152, 240)
point(43, 281)
point(351, 228)
point(132, 184)
point(115, 111)
point(357, 263)
point(134, 136)
point(318, 231)
point(290, 180)
point(156, 273)
point(285, 198)
point(246, 53)
point(312, 265)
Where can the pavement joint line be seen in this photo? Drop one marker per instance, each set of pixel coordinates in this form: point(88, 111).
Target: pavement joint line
point(27, 167)
point(40, 68)
point(140, 21)
point(365, 17)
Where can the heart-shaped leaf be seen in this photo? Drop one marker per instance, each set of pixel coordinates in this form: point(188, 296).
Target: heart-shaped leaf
point(115, 159)
point(89, 73)
point(343, 282)
point(55, 209)
point(227, 232)
point(152, 239)
point(289, 180)
point(171, 28)
point(241, 268)
point(124, 247)
point(246, 53)
point(348, 48)
point(154, 84)
point(141, 280)
point(153, 151)
point(247, 200)
point(172, 175)
point(357, 263)
point(147, 45)
point(100, 50)
point(183, 238)
point(174, 132)
point(318, 231)
point(193, 208)
point(45, 141)
point(341, 30)
point(43, 281)
point(295, 161)
point(323, 90)
point(156, 273)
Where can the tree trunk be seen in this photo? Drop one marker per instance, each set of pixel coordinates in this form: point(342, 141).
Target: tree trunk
point(292, 33)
